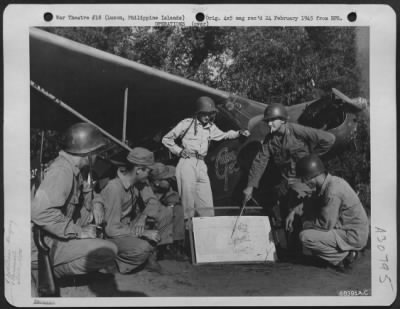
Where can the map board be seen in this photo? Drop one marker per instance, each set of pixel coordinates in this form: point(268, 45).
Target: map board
point(252, 240)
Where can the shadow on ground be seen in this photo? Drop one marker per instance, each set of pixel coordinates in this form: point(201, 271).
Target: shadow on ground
point(270, 279)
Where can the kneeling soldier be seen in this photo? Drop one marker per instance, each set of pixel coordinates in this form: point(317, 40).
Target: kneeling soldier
point(126, 223)
point(340, 226)
point(74, 249)
point(163, 182)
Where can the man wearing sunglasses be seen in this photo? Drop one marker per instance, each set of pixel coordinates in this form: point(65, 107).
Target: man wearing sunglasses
point(191, 172)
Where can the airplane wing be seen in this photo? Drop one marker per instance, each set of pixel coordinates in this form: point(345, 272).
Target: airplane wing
point(96, 84)
point(93, 82)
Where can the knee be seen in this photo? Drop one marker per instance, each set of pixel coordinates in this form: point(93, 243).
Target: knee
point(144, 247)
point(106, 250)
point(306, 236)
point(140, 248)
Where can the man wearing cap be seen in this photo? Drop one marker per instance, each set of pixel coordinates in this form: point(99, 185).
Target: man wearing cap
point(126, 223)
point(285, 144)
point(163, 183)
point(340, 226)
point(74, 248)
point(191, 172)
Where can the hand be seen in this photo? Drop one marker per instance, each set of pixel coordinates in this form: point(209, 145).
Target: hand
point(98, 213)
point(139, 226)
point(244, 132)
point(289, 221)
point(88, 231)
point(360, 101)
point(173, 199)
point(248, 194)
point(184, 154)
point(152, 235)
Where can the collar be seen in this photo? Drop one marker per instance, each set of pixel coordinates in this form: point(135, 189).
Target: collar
point(70, 159)
point(325, 183)
point(124, 181)
point(207, 126)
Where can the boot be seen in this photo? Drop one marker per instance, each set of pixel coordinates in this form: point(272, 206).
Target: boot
point(186, 245)
point(350, 259)
point(152, 265)
point(179, 251)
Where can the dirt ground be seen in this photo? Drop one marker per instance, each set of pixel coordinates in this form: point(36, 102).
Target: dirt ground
point(185, 279)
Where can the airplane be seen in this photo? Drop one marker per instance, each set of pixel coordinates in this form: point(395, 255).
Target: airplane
point(133, 102)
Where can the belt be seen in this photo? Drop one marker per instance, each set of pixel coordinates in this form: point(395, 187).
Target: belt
point(197, 156)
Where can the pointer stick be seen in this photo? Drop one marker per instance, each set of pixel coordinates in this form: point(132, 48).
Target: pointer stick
point(237, 219)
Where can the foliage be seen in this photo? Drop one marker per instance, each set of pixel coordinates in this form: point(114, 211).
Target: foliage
point(268, 64)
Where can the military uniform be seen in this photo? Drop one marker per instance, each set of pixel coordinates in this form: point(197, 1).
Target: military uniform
point(341, 224)
point(53, 207)
point(121, 205)
point(172, 203)
point(191, 173)
point(285, 148)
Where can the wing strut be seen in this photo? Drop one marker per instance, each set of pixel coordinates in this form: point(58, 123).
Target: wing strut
point(77, 114)
point(125, 115)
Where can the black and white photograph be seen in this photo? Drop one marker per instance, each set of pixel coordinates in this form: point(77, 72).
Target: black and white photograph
point(201, 161)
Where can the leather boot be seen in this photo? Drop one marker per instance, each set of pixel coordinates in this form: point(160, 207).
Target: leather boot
point(152, 265)
point(179, 250)
point(350, 259)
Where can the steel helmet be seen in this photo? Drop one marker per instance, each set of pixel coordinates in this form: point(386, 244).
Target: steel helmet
point(275, 111)
point(205, 105)
point(83, 138)
point(309, 167)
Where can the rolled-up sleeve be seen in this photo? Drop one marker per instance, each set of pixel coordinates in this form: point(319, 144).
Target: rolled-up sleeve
point(258, 167)
point(48, 201)
point(112, 199)
point(218, 135)
point(169, 139)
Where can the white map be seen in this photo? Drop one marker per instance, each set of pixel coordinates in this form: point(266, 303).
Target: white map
point(251, 241)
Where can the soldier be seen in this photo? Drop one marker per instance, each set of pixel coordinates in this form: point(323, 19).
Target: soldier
point(285, 145)
point(340, 226)
point(126, 223)
point(74, 248)
point(191, 172)
point(162, 180)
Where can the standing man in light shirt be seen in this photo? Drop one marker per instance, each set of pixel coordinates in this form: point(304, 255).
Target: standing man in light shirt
point(191, 172)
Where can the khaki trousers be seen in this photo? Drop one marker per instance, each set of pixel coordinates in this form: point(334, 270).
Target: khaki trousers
point(323, 244)
point(194, 188)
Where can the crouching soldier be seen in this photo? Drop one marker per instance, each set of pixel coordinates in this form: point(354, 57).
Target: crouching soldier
point(126, 223)
point(339, 227)
point(191, 172)
point(74, 249)
point(163, 183)
point(285, 144)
